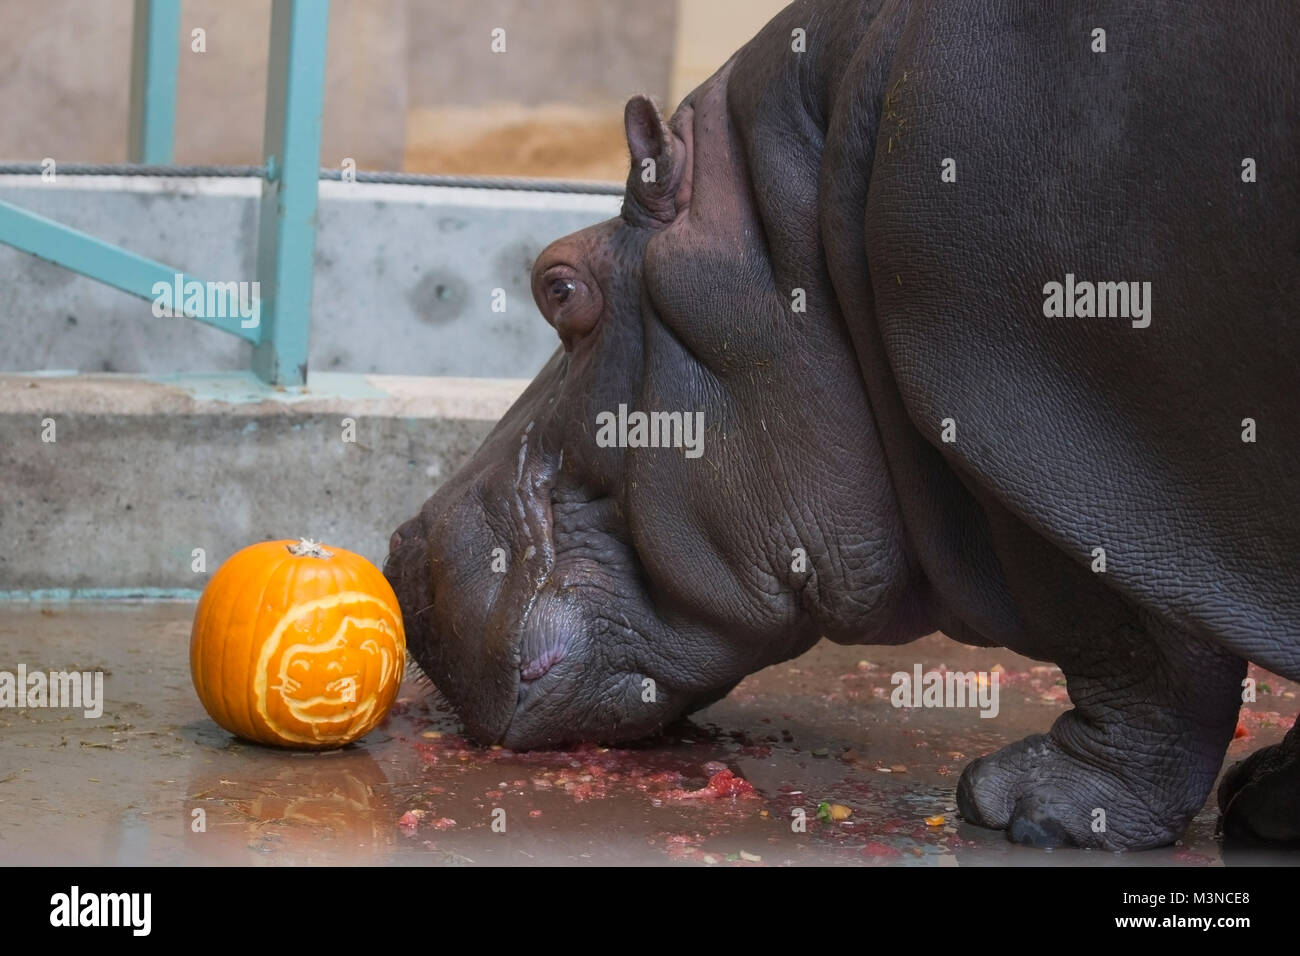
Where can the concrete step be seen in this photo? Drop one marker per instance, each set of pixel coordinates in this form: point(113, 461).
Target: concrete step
point(119, 484)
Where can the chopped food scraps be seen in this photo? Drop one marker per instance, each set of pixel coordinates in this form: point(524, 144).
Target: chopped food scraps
point(833, 812)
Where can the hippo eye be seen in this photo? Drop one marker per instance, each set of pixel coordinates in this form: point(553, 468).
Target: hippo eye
point(569, 300)
point(562, 289)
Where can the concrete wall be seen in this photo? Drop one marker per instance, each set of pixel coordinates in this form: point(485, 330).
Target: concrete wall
point(708, 32)
point(404, 276)
point(411, 84)
point(581, 52)
point(65, 71)
point(221, 94)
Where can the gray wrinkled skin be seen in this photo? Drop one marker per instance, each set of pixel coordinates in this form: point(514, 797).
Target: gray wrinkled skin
point(628, 569)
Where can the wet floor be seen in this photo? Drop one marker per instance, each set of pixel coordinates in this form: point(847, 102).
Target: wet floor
point(153, 780)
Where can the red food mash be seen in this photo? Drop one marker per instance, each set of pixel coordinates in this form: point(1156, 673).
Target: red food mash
point(724, 783)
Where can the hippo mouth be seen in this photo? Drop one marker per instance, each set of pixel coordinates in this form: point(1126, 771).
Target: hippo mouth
point(548, 657)
point(554, 635)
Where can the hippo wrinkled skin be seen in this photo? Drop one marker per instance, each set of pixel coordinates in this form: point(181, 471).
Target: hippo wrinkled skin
point(861, 251)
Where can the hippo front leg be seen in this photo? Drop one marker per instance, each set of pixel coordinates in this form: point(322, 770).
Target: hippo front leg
point(1154, 711)
point(1127, 769)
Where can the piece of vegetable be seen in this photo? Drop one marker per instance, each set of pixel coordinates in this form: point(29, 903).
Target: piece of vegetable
point(833, 812)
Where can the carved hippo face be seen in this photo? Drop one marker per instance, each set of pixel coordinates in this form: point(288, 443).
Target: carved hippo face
point(637, 582)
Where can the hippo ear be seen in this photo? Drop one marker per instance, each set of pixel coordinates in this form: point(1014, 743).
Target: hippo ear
point(655, 175)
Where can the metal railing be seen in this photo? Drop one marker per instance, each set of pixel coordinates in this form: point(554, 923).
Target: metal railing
point(286, 238)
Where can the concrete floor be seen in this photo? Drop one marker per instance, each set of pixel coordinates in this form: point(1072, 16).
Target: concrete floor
point(126, 788)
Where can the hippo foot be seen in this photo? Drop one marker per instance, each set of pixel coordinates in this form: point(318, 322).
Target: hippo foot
point(1259, 798)
point(1046, 795)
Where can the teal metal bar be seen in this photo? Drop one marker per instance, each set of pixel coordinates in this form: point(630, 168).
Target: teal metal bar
point(286, 239)
point(155, 55)
point(80, 252)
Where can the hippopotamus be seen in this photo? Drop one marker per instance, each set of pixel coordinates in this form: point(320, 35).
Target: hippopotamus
point(952, 316)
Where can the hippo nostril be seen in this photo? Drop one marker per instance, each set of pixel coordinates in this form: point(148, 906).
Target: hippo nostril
point(395, 541)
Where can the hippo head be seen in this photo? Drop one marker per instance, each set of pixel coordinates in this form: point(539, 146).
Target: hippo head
point(692, 488)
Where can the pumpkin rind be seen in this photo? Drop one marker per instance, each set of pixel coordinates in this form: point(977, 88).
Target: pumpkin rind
point(297, 650)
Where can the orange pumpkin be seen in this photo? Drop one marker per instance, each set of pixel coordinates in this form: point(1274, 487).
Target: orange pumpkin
point(298, 645)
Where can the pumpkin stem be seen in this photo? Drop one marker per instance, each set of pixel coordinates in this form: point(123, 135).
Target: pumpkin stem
point(307, 548)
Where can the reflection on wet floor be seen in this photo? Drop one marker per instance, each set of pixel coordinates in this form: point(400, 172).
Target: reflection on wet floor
point(153, 780)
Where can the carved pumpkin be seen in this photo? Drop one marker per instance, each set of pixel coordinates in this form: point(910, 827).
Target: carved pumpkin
point(298, 645)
